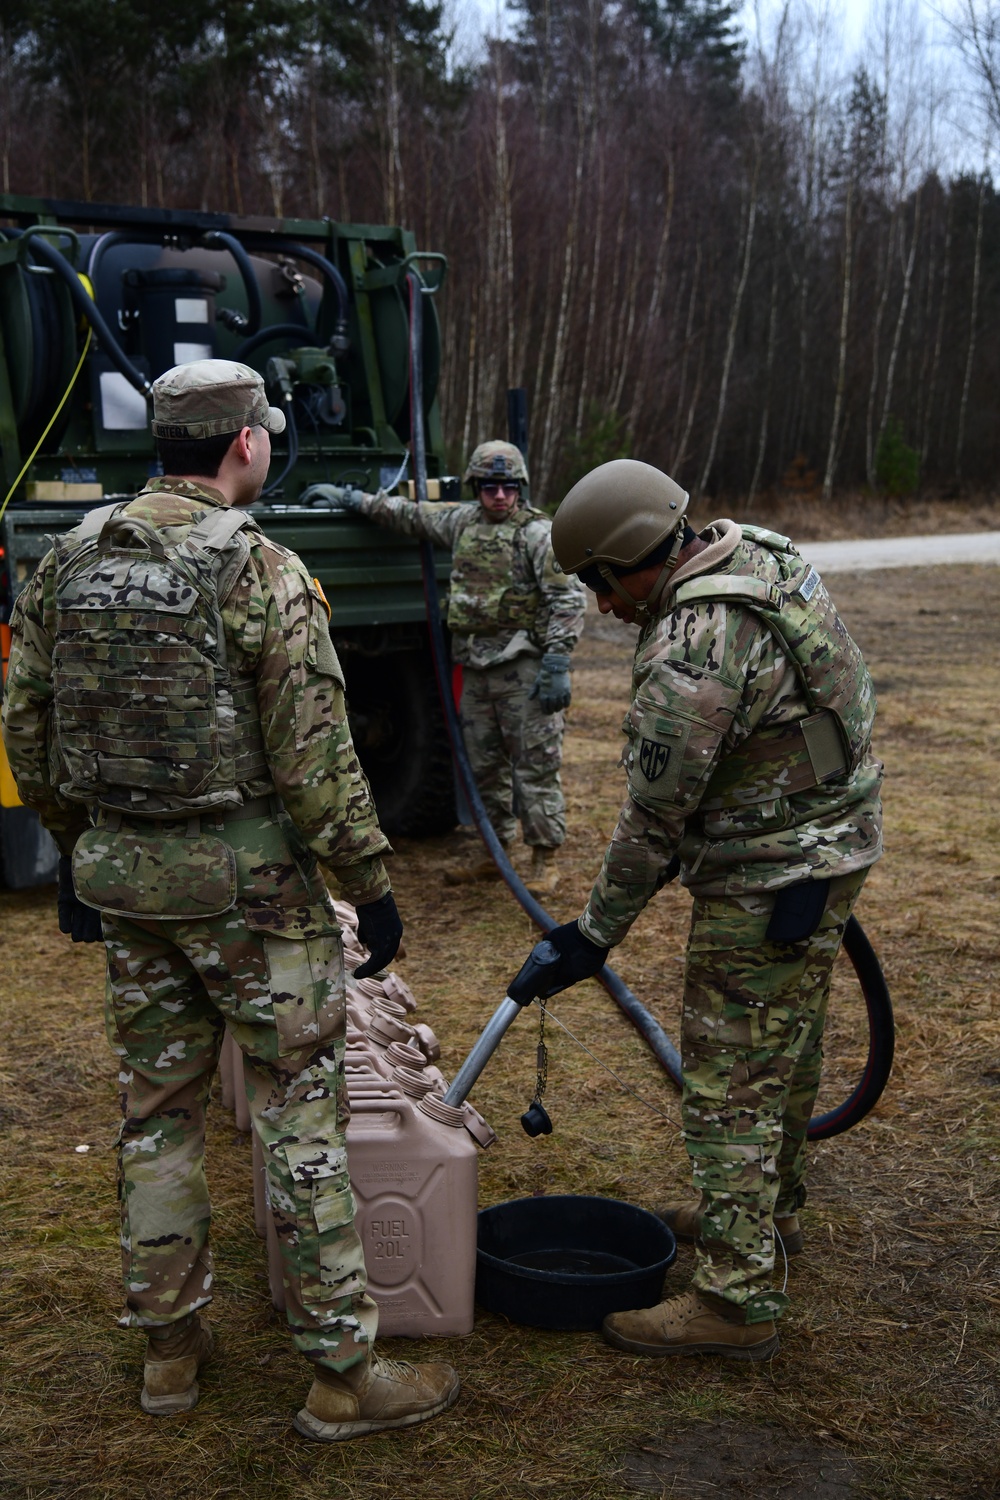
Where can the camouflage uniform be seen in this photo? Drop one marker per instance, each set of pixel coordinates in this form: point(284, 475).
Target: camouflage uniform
point(741, 817)
point(508, 604)
point(220, 916)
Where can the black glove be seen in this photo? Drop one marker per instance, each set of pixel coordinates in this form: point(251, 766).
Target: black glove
point(380, 931)
point(82, 922)
point(552, 685)
point(562, 958)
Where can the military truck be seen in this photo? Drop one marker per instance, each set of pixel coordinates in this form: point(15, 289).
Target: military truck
point(97, 300)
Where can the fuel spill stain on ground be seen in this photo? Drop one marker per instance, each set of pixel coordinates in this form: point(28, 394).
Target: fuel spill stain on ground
point(885, 1383)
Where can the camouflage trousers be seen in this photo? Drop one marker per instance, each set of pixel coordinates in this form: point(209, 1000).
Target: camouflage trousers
point(516, 751)
point(272, 971)
point(752, 1053)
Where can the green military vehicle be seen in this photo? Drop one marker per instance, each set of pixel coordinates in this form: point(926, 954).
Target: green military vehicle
point(96, 301)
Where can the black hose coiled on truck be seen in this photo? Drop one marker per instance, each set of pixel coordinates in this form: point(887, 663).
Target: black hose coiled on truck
point(244, 265)
point(87, 308)
point(856, 944)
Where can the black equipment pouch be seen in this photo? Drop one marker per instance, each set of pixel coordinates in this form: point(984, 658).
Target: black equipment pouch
point(797, 911)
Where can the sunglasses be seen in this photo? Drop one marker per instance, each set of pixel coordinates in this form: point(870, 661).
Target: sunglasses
point(493, 489)
point(593, 579)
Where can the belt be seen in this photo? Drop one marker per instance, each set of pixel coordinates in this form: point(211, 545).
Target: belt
point(257, 807)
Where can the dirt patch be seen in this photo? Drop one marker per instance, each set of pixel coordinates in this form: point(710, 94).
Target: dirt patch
point(739, 1461)
point(890, 1345)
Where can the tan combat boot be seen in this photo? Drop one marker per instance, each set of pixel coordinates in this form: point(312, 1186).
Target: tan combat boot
point(478, 869)
point(173, 1359)
point(544, 877)
point(373, 1395)
point(683, 1219)
point(687, 1325)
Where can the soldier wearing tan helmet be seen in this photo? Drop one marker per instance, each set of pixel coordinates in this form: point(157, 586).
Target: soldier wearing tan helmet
point(749, 770)
point(174, 711)
point(514, 618)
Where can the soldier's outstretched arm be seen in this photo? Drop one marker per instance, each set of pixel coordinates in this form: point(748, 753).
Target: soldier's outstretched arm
point(307, 738)
point(27, 705)
point(437, 521)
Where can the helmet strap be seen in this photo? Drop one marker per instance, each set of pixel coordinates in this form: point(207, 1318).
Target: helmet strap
point(646, 608)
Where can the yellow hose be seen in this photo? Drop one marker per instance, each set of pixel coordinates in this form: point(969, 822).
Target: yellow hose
point(65, 396)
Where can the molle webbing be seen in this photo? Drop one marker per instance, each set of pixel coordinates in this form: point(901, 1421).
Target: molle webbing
point(831, 672)
point(491, 588)
point(147, 710)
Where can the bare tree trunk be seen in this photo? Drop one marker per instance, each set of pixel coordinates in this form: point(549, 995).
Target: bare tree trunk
point(688, 336)
point(772, 339)
point(973, 315)
point(470, 394)
point(734, 318)
point(655, 298)
point(315, 160)
point(876, 339)
point(553, 416)
point(890, 374)
point(938, 336)
point(610, 322)
point(845, 312)
point(625, 340)
point(591, 318)
point(681, 458)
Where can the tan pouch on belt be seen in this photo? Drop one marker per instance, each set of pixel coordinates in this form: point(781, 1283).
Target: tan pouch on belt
point(156, 876)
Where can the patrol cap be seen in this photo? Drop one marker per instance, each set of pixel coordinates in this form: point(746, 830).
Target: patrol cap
point(496, 460)
point(209, 398)
point(617, 514)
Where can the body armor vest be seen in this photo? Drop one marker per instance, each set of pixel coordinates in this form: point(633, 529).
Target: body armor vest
point(149, 719)
point(491, 585)
point(832, 741)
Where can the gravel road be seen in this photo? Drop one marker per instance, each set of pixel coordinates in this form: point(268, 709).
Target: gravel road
point(903, 551)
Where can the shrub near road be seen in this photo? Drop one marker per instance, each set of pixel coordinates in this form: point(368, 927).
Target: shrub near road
point(885, 1382)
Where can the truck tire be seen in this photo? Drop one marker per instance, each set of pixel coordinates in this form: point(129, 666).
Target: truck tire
point(399, 734)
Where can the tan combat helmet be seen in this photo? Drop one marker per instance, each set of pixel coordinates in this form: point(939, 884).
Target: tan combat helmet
point(615, 519)
point(496, 460)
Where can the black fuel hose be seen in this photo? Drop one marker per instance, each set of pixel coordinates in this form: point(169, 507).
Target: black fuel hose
point(244, 265)
point(648, 1027)
point(313, 257)
point(855, 943)
point(87, 308)
point(299, 331)
point(293, 453)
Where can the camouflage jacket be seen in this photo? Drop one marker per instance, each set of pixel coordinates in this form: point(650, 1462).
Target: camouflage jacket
point(544, 605)
point(277, 633)
point(705, 677)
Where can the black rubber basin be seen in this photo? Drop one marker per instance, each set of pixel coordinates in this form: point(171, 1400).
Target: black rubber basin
point(567, 1261)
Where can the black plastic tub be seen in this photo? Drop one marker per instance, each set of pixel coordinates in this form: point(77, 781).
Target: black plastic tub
point(567, 1261)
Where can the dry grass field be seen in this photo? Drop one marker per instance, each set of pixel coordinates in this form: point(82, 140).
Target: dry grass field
point(885, 1384)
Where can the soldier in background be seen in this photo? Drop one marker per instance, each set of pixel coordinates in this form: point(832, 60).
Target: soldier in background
point(175, 714)
point(514, 619)
point(750, 771)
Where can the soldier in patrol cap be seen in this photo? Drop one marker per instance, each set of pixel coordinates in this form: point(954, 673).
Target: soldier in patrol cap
point(514, 618)
point(750, 772)
point(175, 713)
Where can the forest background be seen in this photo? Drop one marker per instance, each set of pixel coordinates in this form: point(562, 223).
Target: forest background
point(741, 257)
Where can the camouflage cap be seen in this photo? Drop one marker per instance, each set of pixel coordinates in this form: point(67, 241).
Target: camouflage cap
point(211, 397)
point(496, 460)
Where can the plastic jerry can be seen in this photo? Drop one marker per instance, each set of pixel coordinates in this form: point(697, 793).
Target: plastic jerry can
point(414, 1172)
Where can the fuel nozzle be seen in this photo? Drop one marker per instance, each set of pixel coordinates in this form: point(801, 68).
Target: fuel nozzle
point(282, 374)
